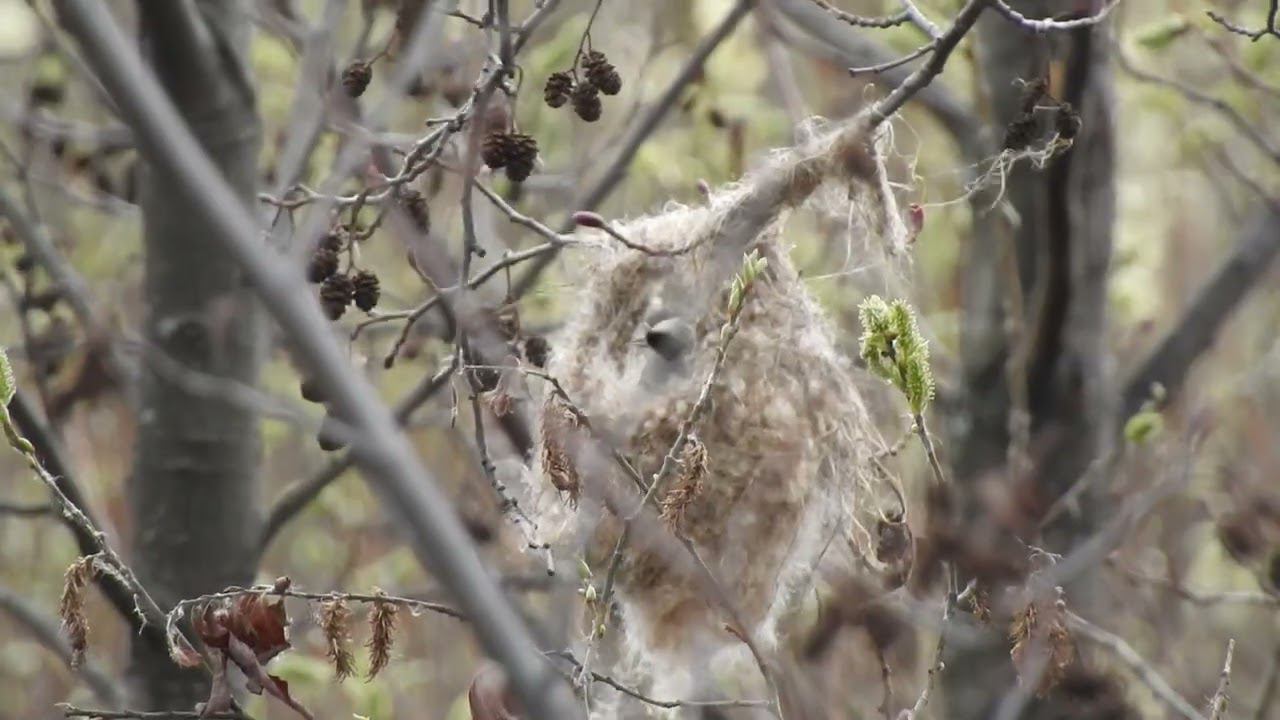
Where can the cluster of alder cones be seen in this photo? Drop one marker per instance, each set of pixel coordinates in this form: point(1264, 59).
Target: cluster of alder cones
point(598, 76)
point(338, 290)
point(514, 151)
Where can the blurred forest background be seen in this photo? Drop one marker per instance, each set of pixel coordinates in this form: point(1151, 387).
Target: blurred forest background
point(1142, 255)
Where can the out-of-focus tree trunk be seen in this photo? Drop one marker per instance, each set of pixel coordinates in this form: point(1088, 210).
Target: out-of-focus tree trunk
point(1062, 238)
point(194, 485)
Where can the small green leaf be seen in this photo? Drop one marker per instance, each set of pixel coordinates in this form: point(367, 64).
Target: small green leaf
point(1143, 427)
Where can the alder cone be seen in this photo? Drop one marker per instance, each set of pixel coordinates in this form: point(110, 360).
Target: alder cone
point(356, 78)
point(601, 73)
point(496, 150)
point(522, 153)
point(366, 290)
point(586, 102)
point(557, 90)
point(336, 293)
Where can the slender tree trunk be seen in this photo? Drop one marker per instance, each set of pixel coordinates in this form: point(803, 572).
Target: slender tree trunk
point(194, 486)
point(1062, 240)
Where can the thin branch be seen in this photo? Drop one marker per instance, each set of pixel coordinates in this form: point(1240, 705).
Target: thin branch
point(1202, 598)
point(408, 490)
point(46, 632)
point(18, 509)
point(887, 21)
point(938, 665)
point(90, 539)
point(668, 704)
point(1270, 28)
point(143, 610)
point(1140, 667)
point(231, 593)
point(1224, 109)
point(1050, 25)
point(891, 64)
point(69, 282)
point(72, 711)
point(1171, 358)
point(1218, 705)
point(300, 494)
point(919, 19)
point(943, 47)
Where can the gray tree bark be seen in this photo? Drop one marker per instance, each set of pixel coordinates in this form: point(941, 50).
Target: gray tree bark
point(1062, 242)
point(193, 493)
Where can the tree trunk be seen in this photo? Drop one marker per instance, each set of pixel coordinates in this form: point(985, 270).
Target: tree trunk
point(1062, 241)
point(194, 485)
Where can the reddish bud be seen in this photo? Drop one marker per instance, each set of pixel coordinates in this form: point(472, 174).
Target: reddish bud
point(586, 218)
point(915, 214)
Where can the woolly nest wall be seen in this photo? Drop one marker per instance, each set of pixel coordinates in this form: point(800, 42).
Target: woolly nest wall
point(776, 475)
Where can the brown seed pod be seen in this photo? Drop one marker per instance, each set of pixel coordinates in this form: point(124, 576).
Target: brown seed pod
point(336, 293)
point(356, 77)
point(1067, 122)
point(366, 290)
point(601, 73)
point(311, 391)
point(323, 263)
point(558, 88)
point(416, 206)
point(496, 150)
point(332, 240)
point(328, 438)
point(586, 102)
point(521, 154)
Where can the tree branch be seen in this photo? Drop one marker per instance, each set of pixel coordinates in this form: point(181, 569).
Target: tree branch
point(1169, 361)
point(49, 452)
point(46, 632)
point(407, 489)
point(300, 494)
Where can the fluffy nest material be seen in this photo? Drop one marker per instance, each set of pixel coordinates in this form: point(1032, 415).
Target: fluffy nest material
point(777, 474)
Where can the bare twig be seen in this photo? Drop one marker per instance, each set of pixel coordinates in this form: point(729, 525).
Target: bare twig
point(1044, 26)
point(942, 49)
point(414, 604)
point(891, 64)
point(1218, 705)
point(926, 439)
point(887, 21)
point(1224, 109)
point(297, 496)
point(71, 711)
point(1193, 333)
point(1270, 28)
point(1203, 598)
point(45, 631)
point(1140, 667)
point(669, 704)
point(938, 665)
point(144, 611)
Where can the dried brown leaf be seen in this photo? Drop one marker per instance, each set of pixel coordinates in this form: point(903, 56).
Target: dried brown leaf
point(382, 623)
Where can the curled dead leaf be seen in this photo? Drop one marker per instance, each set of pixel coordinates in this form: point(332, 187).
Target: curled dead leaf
point(490, 695)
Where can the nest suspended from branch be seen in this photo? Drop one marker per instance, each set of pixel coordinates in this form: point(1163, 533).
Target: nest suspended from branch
point(781, 466)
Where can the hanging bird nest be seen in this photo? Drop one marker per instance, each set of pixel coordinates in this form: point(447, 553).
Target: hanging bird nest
point(776, 473)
